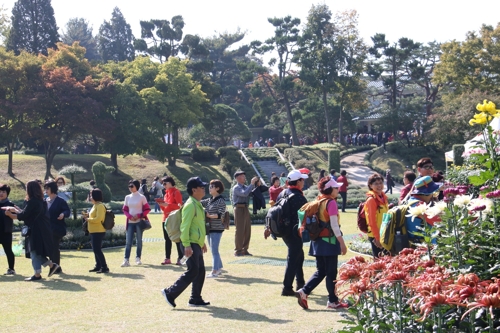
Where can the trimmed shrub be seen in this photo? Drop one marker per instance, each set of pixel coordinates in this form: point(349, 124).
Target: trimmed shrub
point(99, 170)
point(334, 159)
point(203, 154)
point(223, 151)
point(282, 146)
point(458, 150)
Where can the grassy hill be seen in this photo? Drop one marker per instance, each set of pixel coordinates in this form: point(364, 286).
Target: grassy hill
point(28, 167)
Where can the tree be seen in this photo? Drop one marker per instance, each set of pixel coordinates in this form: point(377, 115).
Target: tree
point(33, 28)
point(78, 30)
point(63, 104)
point(174, 101)
point(115, 38)
point(472, 64)
point(160, 38)
point(4, 24)
point(226, 125)
point(284, 42)
point(17, 74)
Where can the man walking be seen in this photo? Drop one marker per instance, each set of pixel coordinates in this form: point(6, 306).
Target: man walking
point(193, 245)
point(343, 189)
point(240, 196)
point(295, 257)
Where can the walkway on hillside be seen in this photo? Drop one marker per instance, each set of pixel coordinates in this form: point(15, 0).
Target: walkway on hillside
point(358, 173)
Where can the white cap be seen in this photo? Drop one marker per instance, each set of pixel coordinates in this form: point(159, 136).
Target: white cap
point(333, 183)
point(296, 175)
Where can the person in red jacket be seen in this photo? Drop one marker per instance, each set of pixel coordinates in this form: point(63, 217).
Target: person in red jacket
point(171, 202)
point(274, 190)
point(343, 189)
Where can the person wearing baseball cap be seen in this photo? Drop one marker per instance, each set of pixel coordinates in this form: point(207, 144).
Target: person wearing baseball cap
point(193, 244)
point(240, 197)
point(295, 257)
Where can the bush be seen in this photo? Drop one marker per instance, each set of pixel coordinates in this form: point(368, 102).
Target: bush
point(282, 146)
point(334, 159)
point(223, 151)
point(233, 161)
point(203, 154)
point(99, 170)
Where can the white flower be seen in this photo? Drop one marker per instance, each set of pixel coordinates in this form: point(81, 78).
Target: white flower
point(462, 200)
point(436, 210)
point(416, 211)
point(481, 202)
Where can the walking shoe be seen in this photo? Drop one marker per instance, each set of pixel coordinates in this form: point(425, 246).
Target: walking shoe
point(336, 305)
point(238, 254)
point(287, 292)
point(103, 270)
point(58, 270)
point(302, 299)
point(10, 272)
point(126, 263)
point(33, 278)
point(218, 272)
point(95, 269)
point(138, 261)
point(246, 253)
point(198, 303)
point(53, 269)
point(212, 275)
point(166, 262)
point(169, 300)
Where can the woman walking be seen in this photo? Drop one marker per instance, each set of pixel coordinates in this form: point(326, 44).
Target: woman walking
point(6, 225)
point(274, 190)
point(58, 210)
point(171, 201)
point(215, 208)
point(135, 208)
point(326, 249)
point(39, 242)
point(97, 231)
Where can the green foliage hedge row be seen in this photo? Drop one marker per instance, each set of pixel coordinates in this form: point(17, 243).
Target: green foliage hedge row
point(203, 154)
point(334, 159)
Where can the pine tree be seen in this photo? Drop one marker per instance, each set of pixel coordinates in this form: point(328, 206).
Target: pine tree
point(34, 27)
point(78, 30)
point(115, 38)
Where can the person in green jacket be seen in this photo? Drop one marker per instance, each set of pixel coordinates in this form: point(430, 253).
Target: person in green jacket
point(193, 245)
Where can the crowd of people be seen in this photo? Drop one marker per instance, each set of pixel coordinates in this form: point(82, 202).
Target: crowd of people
point(202, 224)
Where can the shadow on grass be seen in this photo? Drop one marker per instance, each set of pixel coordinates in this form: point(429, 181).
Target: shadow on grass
point(244, 281)
point(236, 314)
point(61, 284)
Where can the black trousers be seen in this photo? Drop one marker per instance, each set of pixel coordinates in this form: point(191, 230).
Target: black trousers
point(6, 241)
point(294, 262)
point(195, 274)
point(326, 267)
point(56, 252)
point(344, 200)
point(376, 250)
point(96, 242)
point(168, 245)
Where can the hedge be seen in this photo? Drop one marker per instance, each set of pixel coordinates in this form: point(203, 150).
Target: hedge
point(203, 154)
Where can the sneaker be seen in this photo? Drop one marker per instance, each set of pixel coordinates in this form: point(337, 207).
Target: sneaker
point(166, 262)
point(238, 254)
point(218, 272)
point(302, 299)
point(246, 253)
point(95, 269)
point(286, 292)
point(212, 275)
point(53, 269)
point(103, 270)
point(126, 263)
point(10, 272)
point(336, 305)
point(33, 278)
point(198, 303)
point(58, 270)
point(169, 300)
point(138, 261)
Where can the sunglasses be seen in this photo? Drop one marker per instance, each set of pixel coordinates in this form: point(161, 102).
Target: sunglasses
point(428, 167)
point(130, 186)
point(211, 186)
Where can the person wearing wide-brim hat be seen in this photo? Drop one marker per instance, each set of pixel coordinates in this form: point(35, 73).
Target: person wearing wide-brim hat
point(423, 191)
point(240, 197)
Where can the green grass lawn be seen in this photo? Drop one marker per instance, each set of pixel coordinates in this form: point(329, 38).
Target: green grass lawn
point(245, 299)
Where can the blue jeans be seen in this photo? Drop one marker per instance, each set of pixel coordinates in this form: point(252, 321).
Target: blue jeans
point(37, 261)
point(133, 227)
point(213, 242)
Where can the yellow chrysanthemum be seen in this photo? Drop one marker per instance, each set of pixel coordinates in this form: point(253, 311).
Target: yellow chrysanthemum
point(480, 118)
point(489, 107)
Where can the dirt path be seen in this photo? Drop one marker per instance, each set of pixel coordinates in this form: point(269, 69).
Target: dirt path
point(358, 173)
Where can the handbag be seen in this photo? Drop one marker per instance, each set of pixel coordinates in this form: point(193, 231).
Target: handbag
point(25, 231)
point(85, 227)
point(144, 224)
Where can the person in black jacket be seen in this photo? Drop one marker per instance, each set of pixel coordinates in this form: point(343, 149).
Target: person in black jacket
point(6, 225)
point(39, 243)
point(295, 258)
point(258, 199)
point(58, 210)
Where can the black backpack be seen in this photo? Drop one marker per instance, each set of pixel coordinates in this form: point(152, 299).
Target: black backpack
point(277, 218)
point(109, 220)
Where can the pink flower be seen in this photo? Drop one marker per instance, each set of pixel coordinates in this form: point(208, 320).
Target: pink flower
point(478, 208)
point(494, 194)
